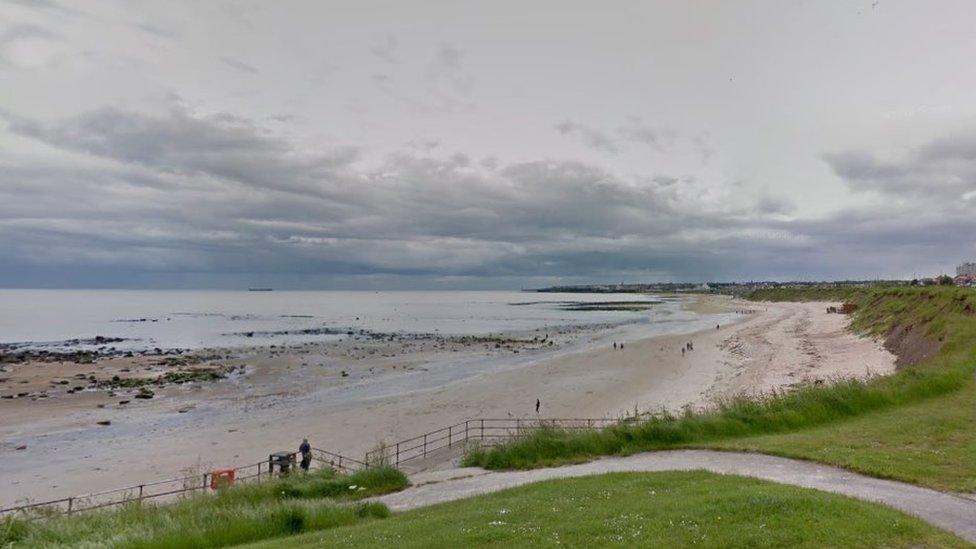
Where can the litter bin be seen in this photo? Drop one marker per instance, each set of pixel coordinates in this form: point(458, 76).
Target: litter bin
point(220, 478)
point(283, 461)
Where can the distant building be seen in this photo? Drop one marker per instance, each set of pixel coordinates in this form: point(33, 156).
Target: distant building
point(965, 280)
point(966, 269)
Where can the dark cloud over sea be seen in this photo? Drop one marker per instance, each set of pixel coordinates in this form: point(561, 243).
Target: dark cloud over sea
point(219, 196)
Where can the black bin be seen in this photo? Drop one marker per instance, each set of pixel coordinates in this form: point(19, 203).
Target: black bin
point(283, 461)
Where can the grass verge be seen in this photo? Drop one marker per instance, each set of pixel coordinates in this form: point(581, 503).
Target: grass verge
point(240, 514)
point(918, 425)
point(673, 509)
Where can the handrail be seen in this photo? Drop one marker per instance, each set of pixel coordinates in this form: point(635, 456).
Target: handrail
point(192, 483)
point(483, 430)
point(480, 429)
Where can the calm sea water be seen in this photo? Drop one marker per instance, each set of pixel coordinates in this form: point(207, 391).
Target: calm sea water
point(195, 319)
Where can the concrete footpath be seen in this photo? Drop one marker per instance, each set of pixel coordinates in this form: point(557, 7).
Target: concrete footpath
point(951, 512)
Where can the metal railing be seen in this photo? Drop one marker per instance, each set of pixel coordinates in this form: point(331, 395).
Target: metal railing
point(338, 462)
point(485, 431)
point(171, 488)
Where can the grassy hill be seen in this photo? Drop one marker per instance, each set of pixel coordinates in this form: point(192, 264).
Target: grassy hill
point(674, 509)
point(917, 425)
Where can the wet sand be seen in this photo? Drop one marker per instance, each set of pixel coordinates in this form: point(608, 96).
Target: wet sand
point(348, 397)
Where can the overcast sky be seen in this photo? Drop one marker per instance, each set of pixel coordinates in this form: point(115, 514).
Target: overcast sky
point(491, 144)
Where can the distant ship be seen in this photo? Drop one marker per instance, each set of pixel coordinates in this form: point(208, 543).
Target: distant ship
point(260, 289)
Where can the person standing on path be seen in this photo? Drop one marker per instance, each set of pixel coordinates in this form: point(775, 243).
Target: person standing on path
point(306, 450)
point(537, 404)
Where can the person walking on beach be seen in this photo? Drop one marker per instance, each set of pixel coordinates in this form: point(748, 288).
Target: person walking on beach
point(537, 404)
point(614, 345)
point(682, 351)
point(306, 450)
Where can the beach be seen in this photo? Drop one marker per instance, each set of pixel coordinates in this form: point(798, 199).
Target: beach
point(349, 396)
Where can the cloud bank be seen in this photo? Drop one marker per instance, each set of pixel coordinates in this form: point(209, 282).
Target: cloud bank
point(501, 145)
point(219, 195)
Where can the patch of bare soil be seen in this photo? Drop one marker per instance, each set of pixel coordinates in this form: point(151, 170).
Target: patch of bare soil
point(910, 345)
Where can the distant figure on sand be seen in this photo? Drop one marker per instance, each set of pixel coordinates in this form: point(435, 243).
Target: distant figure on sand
point(537, 404)
point(682, 351)
point(306, 450)
point(614, 345)
point(717, 326)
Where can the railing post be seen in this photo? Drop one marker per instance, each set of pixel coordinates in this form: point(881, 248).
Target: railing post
point(141, 486)
point(340, 462)
point(71, 502)
point(425, 444)
point(482, 429)
point(398, 454)
point(466, 430)
point(449, 436)
point(205, 481)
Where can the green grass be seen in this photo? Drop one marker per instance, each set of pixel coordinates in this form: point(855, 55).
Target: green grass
point(674, 509)
point(932, 443)
point(236, 515)
point(837, 293)
point(918, 425)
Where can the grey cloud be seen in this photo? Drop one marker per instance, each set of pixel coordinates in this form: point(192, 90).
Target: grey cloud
point(218, 195)
point(383, 82)
point(221, 145)
point(14, 33)
point(425, 145)
point(942, 169)
point(447, 72)
point(155, 30)
point(386, 50)
point(446, 84)
point(42, 4)
point(168, 202)
point(239, 65)
point(448, 58)
point(635, 131)
point(768, 204)
point(592, 138)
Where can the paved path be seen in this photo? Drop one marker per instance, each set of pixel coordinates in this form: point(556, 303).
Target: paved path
point(951, 512)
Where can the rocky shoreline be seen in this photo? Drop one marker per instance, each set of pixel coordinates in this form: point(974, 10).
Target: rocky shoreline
point(32, 371)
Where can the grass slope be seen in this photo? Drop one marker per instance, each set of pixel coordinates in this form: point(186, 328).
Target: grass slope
point(932, 443)
point(918, 425)
point(679, 509)
point(240, 514)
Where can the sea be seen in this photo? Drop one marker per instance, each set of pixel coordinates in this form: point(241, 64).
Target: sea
point(66, 320)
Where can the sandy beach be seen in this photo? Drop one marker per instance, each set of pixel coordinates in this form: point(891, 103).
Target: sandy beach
point(348, 397)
